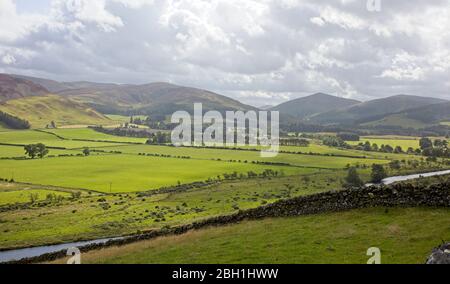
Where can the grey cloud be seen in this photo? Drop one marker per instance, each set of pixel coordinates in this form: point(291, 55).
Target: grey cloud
point(261, 52)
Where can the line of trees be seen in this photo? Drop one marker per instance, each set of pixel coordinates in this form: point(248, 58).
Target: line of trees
point(438, 148)
point(13, 121)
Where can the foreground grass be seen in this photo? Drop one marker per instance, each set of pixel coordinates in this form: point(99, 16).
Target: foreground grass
point(328, 238)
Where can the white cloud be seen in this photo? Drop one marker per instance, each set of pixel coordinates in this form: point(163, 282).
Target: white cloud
point(267, 50)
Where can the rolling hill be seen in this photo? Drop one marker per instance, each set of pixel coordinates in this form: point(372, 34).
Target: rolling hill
point(15, 88)
point(41, 110)
point(417, 118)
point(155, 99)
point(55, 86)
point(305, 107)
point(374, 110)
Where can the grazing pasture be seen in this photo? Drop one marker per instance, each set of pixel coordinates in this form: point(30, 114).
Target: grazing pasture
point(342, 237)
point(23, 196)
point(240, 155)
point(19, 152)
point(393, 142)
point(90, 134)
point(126, 173)
point(24, 137)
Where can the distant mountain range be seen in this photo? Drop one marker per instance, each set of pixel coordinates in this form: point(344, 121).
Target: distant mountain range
point(154, 99)
point(306, 107)
point(373, 110)
point(86, 102)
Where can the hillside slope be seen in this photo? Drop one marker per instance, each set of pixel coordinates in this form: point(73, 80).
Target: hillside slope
point(15, 88)
point(55, 86)
point(304, 107)
point(41, 110)
point(155, 99)
point(375, 109)
point(342, 237)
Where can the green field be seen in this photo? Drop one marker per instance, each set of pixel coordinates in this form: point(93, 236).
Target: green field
point(327, 238)
point(123, 118)
point(446, 123)
point(90, 134)
point(393, 142)
point(126, 173)
point(24, 137)
point(226, 155)
point(23, 196)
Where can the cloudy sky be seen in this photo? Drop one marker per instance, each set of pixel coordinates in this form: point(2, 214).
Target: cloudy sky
point(260, 52)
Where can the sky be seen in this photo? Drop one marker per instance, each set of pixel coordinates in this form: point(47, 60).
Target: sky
point(260, 52)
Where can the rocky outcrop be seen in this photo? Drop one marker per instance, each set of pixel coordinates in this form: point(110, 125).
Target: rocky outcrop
point(440, 255)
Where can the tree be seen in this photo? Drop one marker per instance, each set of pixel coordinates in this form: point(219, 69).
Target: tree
point(42, 150)
point(398, 150)
point(367, 146)
point(395, 165)
point(14, 122)
point(31, 150)
point(34, 197)
point(425, 143)
point(375, 147)
point(378, 173)
point(353, 178)
point(86, 151)
point(36, 150)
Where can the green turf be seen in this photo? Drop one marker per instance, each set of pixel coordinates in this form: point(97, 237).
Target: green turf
point(25, 137)
point(123, 118)
point(125, 172)
point(326, 238)
point(226, 155)
point(18, 151)
point(404, 143)
point(23, 196)
point(90, 134)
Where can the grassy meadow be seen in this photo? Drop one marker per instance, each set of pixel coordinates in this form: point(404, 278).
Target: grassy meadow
point(126, 173)
point(326, 238)
point(405, 143)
